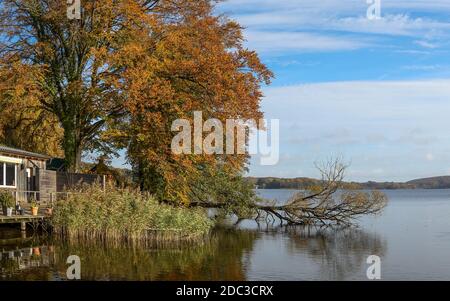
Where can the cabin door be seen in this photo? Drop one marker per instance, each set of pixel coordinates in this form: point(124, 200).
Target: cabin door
point(31, 179)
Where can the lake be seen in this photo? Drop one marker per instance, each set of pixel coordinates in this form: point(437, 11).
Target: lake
point(411, 236)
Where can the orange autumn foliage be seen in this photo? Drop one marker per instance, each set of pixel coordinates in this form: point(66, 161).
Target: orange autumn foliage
point(199, 64)
point(122, 74)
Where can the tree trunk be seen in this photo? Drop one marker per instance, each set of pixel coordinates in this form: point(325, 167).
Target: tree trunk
point(72, 146)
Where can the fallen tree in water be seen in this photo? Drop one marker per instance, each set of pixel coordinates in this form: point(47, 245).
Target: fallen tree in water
point(328, 203)
point(126, 214)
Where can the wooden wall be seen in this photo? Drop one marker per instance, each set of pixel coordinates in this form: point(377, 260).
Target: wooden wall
point(52, 181)
point(47, 184)
point(65, 180)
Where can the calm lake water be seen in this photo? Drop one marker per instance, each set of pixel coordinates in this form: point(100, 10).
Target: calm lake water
point(412, 238)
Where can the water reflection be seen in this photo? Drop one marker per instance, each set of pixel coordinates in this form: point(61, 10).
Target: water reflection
point(25, 258)
point(219, 257)
point(228, 254)
point(340, 253)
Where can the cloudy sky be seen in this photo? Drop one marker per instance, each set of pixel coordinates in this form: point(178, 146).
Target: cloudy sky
point(376, 92)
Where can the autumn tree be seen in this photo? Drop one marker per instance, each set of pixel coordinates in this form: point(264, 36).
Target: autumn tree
point(73, 62)
point(119, 76)
point(23, 122)
point(198, 64)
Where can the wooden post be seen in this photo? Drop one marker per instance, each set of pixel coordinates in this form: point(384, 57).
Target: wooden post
point(23, 226)
point(104, 182)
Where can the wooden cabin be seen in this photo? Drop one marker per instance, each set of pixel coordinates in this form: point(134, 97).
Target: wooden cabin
point(19, 170)
point(27, 176)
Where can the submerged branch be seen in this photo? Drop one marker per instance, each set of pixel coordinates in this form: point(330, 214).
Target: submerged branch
point(327, 204)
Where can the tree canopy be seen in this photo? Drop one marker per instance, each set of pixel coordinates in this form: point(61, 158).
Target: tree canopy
point(118, 77)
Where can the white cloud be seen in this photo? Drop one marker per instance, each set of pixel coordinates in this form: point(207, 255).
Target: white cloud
point(335, 6)
point(413, 52)
point(299, 42)
point(371, 99)
point(388, 125)
point(378, 171)
point(423, 67)
point(393, 24)
point(335, 24)
point(345, 15)
point(385, 126)
point(389, 24)
point(426, 44)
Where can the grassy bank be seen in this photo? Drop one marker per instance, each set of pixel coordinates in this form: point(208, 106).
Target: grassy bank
point(120, 215)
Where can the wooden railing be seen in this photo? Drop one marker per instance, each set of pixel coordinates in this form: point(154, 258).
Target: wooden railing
point(42, 198)
point(22, 196)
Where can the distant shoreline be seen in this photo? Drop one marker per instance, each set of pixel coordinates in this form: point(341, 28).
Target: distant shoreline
point(415, 188)
point(441, 182)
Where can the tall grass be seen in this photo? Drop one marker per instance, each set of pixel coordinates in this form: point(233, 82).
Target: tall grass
point(125, 215)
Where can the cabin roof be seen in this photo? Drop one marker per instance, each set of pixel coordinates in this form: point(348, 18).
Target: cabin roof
point(6, 150)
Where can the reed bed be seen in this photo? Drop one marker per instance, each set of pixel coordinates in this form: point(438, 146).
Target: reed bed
point(124, 215)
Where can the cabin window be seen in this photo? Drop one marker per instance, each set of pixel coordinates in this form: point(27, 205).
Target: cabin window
point(8, 175)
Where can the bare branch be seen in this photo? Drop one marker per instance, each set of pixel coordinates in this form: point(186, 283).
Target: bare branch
point(328, 204)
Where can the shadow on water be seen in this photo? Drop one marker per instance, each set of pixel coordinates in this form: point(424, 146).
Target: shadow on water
point(339, 253)
point(226, 254)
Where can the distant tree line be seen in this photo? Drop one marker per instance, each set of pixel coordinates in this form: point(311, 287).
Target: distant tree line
point(304, 183)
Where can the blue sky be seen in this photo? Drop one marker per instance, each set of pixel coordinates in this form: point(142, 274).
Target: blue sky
point(376, 92)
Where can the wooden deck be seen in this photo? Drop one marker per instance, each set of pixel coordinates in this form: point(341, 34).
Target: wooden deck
point(33, 221)
point(16, 219)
